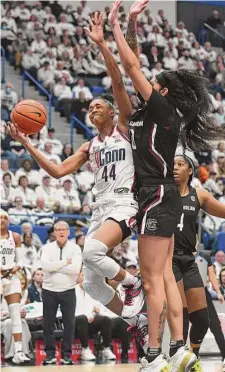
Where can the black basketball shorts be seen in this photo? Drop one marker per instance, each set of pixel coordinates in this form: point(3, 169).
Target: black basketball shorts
point(185, 267)
point(159, 210)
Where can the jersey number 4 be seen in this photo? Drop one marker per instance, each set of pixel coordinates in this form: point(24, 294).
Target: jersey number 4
point(181, 224)
point(106, 174)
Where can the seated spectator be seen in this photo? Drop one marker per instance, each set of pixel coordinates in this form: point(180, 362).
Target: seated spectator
point(80, 239)
point(51, 46)
point(10, 22)
point(38, 45)
point(18, 214)
point(23, 13)
point(56, 143)
point(25, 192)
point(220, 116)
point(49, 57)
point(29, 251)
point(63, 72)
point(222, 281)
point(65, 46)
point(156, 37)
point(88, 322)
point(85, 180)
point(32, 175)
point(169, 62)
point(7, 35)
point(63, 92)
point(13, 150)
point(211, 54)
point(7, 191)
point(9, 96)
point(48, 151)
point(39, 12)
point(26, 228)
point(80, 108)
point(219, 262)
point(51, 23)
point(47, 192)
point(42, 215)
point(67, 198)
point(67, 151)
point(186, 62)
point(18, 48)
point(5, 169)
point(211, 184)
point(35, 288)
point(181, 28)
point(220, 151)
point(65, 25)
point(81, 87)
point(6, 331)
point(30, 62)
point(46, 75)
point(157, 69)
point(35, 139)
point(220, 166)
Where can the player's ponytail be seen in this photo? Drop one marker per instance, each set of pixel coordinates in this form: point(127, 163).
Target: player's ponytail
point(187, 92)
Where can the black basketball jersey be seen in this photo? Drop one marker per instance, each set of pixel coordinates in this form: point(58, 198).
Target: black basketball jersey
point(154, 131)
point(185, 234)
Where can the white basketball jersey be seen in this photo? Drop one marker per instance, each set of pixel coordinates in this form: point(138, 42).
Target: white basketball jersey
point(111, 161)
point(8, 252)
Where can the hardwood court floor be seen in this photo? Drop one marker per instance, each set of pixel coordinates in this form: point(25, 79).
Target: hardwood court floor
point(210, 365)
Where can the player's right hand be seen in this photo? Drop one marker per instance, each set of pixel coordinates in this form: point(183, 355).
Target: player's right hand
point(113, 15)
point(13, 131)
point(137, 7)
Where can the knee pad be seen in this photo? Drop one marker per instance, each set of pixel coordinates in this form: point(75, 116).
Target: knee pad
point(94, 257)
point(14, 312)
point(96, 287)
point(200, 325)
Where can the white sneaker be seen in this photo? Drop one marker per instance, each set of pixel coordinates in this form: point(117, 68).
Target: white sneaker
point(134, 299)
point(183, 360)
point(20, 358)
point(108, 354)
point(160, 364)
point(140, 331)
point(87, 354)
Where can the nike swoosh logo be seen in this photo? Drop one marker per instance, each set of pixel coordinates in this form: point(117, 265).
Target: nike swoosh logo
point(37, 113)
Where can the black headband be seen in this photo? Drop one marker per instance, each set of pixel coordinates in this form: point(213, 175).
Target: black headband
point(161, 80)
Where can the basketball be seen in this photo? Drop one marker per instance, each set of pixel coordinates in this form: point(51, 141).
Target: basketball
point(30, 116)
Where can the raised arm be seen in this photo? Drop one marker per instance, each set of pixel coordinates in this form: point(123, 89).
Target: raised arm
point(122, 99)
point(70, 165)
point(127, 57)
point(210, 205)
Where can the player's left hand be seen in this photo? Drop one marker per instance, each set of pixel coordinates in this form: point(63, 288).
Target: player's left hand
point(95, 32)
point(137, 7)
point(15, 269)
point(113, 15)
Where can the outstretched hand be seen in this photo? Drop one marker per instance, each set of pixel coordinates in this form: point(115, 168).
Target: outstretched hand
point(113, 15)
point(95, 32)
point(137, 7)
point(13, 131)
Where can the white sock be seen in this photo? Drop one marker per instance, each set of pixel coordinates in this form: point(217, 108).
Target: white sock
point(17, 346)
point(129, 279)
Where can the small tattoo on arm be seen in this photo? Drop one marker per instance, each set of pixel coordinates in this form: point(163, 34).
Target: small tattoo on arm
point(131, 36)
point(162, 320)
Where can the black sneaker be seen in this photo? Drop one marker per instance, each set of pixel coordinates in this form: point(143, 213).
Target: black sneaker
point(49, 360)
point(66, 360)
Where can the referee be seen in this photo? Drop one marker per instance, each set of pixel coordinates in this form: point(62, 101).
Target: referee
point(61, 264)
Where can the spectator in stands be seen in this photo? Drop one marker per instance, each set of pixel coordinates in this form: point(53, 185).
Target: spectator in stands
point(10, 22)
point(186, 62)
point(220, 166)
point(38, 45)
point(42, 215)
point(56, 143)
point(67, 197)
point(26, 227)
point(156, 37)
point(29, 251)
point(9, 96)
point(39, 12)
point(220, 116)
point(25, 192)
point(8, 192)
point(85, 180)
point(62, 71)
point(63, 93)
point(214, 20)
point(23, 13)
point(5, 169)
point(222, 281)
point(88, 322)
point(219, 262)
point(48, 151)
point(169, 62)
point(30, 62)
point(157, 69)
point(18, 214)
point(80, 238)
point(67, 151)
point(6, 331)
point(51, 23)
point(81, 87)
point(32, 175)
point(35, 288)
point(211, 184)
point(220, 151)
point(46, 75)
point(61, 263)
point(7, 36)
point(65, 25)
point(211, 54)
point(18, 48)
point(47, 192)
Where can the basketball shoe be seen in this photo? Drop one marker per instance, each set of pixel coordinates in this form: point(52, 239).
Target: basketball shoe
point(160, 364)
point(20, 358)
point(197, 367)
point(140, 331)
point(133, 299)
point(183, 360)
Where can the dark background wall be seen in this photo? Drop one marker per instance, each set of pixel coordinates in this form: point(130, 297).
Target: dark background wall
point(194, 13)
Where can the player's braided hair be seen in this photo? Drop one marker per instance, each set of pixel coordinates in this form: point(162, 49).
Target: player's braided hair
point(187, 92)
point(108, 98)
